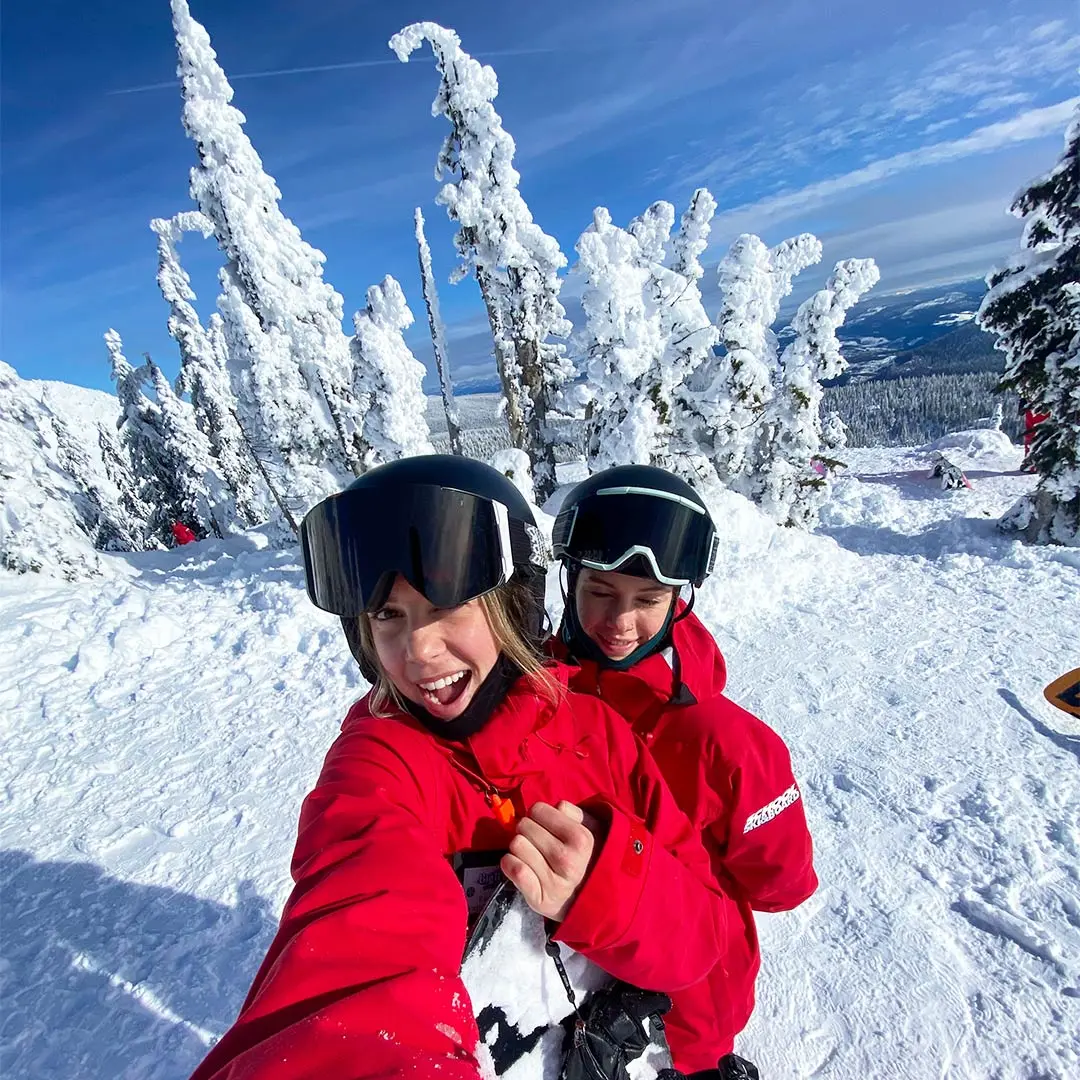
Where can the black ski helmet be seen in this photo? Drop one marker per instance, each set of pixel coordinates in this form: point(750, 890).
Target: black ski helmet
point(453, 527)
point(641, 518)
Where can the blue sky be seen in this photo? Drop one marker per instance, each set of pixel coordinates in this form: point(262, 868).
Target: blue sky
point(899, 134)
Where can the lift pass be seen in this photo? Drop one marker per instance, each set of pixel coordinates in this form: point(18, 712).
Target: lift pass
point(480, 876)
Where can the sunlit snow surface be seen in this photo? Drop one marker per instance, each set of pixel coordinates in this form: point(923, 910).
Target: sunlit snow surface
point(161, 724)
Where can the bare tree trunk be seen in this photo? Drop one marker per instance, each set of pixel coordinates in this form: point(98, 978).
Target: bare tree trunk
point(438, 339)
point(505, 361)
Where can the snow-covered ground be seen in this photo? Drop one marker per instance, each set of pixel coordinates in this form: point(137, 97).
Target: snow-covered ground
point(161, 724)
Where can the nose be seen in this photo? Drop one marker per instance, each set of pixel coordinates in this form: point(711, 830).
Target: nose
point(423, 643)
point(620, 619)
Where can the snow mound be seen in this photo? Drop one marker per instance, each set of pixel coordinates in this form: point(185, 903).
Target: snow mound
point(979, 449)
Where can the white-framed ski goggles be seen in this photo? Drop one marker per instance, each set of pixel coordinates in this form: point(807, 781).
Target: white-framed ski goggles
point(674, 535)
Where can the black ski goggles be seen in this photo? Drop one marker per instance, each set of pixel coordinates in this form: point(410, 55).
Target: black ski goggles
point(449, 545)
point(675, 536)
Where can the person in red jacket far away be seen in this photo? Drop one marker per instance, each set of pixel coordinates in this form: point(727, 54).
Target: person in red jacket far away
point(631, 538)
point(182, 534)
point(467, 743)
point(1032, 420)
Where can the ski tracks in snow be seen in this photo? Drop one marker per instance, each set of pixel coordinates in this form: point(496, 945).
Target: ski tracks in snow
point(944, 941)
point(160, 731)
point(161, 726)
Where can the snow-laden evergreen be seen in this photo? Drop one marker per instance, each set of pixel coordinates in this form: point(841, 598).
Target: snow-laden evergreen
point(120, 473)
point(728, 396)
point(204, 374)
point(794, 452)
point(290, 363)
point(138, 428)
point(690, 335)
point(189, 488)
point(1034, 308)
point(389, 379)
point(47, 521)
point(438, 336)
point(623, 339)
point(515, 262)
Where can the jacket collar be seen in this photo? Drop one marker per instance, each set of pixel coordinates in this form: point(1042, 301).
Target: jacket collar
point(505, 750)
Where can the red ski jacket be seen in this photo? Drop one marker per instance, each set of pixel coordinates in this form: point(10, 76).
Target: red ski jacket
point(362, 979)
point(731, 774)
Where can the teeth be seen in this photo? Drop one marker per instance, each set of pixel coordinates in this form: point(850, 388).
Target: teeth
point(438, 684)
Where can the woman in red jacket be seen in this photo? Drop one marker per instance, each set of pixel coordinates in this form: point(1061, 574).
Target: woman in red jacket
point(466, 744)
point(631, 538)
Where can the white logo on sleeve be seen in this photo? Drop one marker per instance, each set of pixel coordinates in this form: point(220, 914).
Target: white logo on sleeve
point(770, 810)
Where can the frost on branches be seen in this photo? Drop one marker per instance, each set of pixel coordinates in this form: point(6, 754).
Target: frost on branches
point(45, 519)
point(794, 466)
point(204, 375)
point(1033, 306)
point(690, 335)
point(188, 489)
point(622, 341)
point(438, 336)
point(728, 396)
point(289, 359)
point(389, 379)
point(515, 262)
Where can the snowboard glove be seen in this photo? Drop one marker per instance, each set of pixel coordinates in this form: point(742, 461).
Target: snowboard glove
point(730, 1067)
point(609, 1030)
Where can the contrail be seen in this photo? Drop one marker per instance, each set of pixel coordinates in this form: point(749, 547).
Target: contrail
point(315, 68)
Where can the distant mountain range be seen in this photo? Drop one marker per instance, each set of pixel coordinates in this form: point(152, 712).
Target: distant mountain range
point(925, 332)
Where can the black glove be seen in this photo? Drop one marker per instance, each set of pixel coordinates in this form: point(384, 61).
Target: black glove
point(733, 1067)
point(610, 1032)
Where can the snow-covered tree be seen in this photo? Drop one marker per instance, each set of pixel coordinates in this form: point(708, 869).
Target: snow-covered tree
point(137, 424)
point(622, 341)
point(515, 262)
point(389, 379)
point(792, 479)
point(204, 374)
point(727, 397)
point(190, 489)
point(104, 518)
point(290, 363)
point(1033, 306)
point(692, 239)
point(438, 336)
point(45, 518)
point(690, 335)
point(121, 475)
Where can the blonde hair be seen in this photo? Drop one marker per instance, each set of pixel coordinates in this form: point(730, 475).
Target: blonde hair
point(505, 608)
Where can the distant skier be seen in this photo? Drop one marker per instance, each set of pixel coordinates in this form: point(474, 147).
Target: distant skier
point(631, 538)
point(467, 746)
point(1032, 420)
point(182, 534)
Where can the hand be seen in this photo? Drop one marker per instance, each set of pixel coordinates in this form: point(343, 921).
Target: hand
point(550, 856)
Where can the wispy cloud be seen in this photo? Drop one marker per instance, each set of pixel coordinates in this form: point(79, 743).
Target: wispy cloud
point(1033, 124)
point(897, 94)
point(348, 65)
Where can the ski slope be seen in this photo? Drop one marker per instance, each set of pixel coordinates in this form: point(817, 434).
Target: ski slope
point(162, 723)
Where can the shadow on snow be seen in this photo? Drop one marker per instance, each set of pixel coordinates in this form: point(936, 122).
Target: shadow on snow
point(105, 979)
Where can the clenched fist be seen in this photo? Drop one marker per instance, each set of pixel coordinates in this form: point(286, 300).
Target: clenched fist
point(550, 856)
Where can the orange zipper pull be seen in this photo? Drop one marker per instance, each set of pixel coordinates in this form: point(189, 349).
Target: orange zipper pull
point(503, 809)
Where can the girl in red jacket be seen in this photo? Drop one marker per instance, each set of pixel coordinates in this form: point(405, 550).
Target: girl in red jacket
point(465, 745)
point(631, 538)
